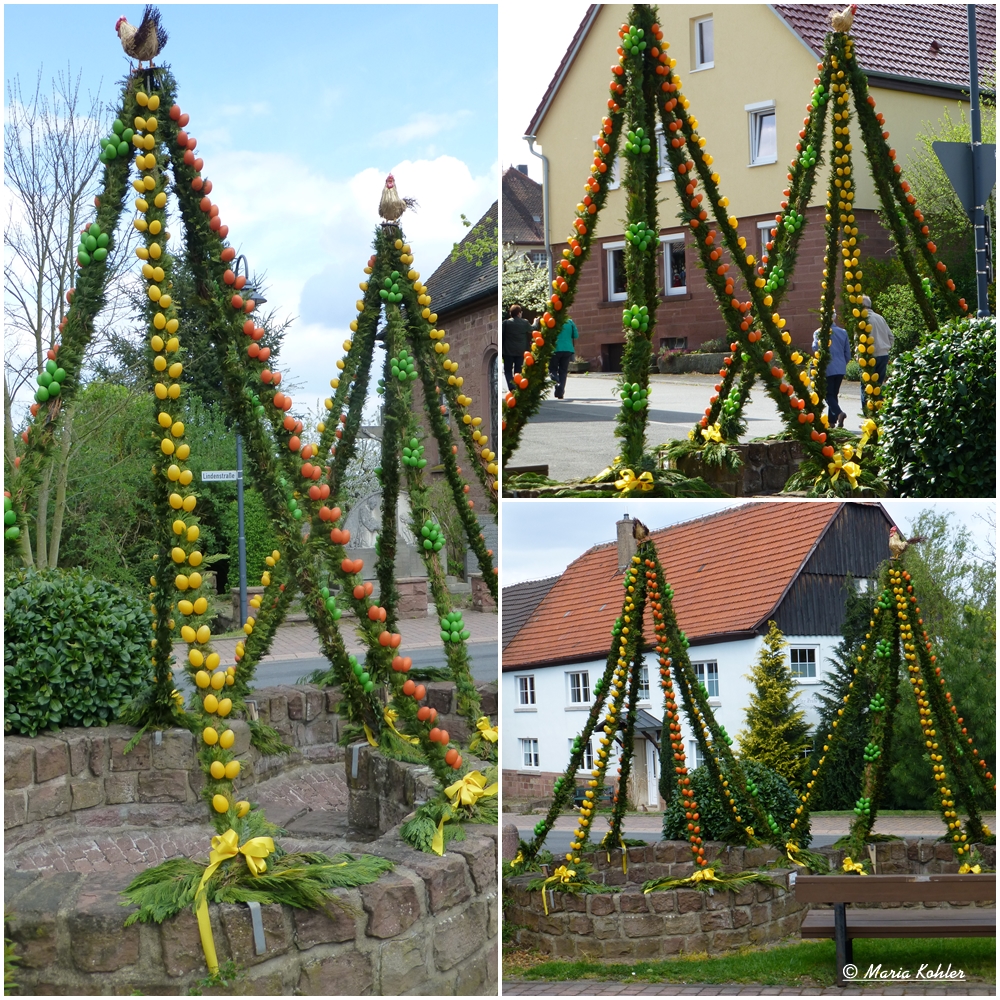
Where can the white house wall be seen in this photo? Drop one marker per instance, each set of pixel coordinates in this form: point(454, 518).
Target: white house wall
point(554, 721)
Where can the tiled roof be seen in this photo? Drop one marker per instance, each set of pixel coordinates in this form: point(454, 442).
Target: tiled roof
point(458, 283)
point(519, 603)
point(896, 38)
point(728, 571)
point(522, 206)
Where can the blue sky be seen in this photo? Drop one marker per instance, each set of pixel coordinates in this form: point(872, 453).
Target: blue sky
point(542, 537)
point(300, 112)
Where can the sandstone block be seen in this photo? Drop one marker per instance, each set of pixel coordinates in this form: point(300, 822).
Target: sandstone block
point(18, 762)
point(121, 787)
point(163, 786)
point(446, 879)
point(98, 942)
point(237, 922)
point(348, 973)
point(458, 935)
point(87, 793)
point(176, 752)
point(403, 961)
point(392, 906)
point(51, 758)
point(46, 801)
point(313, 927)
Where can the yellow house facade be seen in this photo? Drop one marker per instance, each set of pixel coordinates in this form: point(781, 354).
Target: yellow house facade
point(748, 71)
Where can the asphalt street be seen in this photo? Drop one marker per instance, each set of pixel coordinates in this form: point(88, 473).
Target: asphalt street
point(484, 656)
point(575, 436)
point(558, 840)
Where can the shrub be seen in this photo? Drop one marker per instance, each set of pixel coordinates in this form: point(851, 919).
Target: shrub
point(717, 821)
point(853, 373)
point(258, 530)
point(898, 306)
point(938, 431)
point(718, 345)
point(76, 649)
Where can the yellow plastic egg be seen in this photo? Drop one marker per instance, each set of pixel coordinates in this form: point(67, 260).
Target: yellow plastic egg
point(175, 393)
point(202, 679)
point(185, 607)
point(211, 704)
point(153, 102)
point(177, 554)
point(230, 680)
point(175, 370)
point(167, 446)
point(161, 390)
point(187, 633)
point(217, 769)
point(177, 429)
point(189, 505)
point(183, 450)
point(173, 474)
point(193, 532)
point(172, 325)
point(195, 558)
point(220, 803)
point(213, 661)
point(176, 501)
point(227, 739)
point(218, 680)
point(159, 362)
point(181, 582)
point(156, 342)
point(200, 606)
point(242, 808)
point(225, 706)
point(210, 736)
point(195, 657)
point(186, 476)
point(204, 633)
point(232, 769)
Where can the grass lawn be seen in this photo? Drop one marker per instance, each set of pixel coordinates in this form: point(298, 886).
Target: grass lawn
point(806, 964)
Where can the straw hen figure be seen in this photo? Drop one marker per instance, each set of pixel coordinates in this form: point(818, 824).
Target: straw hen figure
point(145, 42)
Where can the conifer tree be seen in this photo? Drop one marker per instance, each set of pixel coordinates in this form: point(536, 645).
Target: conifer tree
point(776, 732)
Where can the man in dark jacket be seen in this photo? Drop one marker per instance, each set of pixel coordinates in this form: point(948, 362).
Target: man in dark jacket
point(515, 339)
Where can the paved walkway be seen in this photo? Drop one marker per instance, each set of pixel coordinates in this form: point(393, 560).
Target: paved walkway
point(575, 436)
point(595, 987)
point(297, 640)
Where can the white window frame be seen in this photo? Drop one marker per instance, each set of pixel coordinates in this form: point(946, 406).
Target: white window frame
point(583, 686)
point(529, 745)
point(755, 112)
point(643, 692)
point(704, 676)
point(608, 248)
point(664, 171)
point(612, 176)
point(587, 764)
point(526, 706)
point(764, 229)
point(668, 290)
point(695, 754)
point(696, 64)
point(814, 678)
point(541, 255)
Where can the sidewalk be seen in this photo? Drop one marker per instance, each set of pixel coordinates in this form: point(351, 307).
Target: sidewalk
point(297, 640)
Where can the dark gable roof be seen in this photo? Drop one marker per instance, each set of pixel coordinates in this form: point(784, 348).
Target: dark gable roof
point(519, 603)
point(458, 283)
point(522, 204)
point(895, 39)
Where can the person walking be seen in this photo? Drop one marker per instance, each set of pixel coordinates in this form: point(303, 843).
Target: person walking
point(836, 369)
point(515, 339)
point(883, 338)
point(563, 354)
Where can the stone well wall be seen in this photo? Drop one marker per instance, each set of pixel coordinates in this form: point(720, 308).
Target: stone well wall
point(429, 926)
point(83, 775)
point(767, 466)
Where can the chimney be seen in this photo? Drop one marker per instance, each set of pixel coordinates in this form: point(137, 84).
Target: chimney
point(626, 543)
point(523, 168)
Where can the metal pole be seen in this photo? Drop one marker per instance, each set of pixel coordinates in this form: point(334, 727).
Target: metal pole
point(979, 211)
point(242, 535)
point(545, 200)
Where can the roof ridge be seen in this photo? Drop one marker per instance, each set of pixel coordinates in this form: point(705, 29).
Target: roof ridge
point(524, 583)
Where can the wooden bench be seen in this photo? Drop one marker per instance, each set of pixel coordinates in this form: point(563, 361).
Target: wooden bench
point(899, 922)
point(602, 796)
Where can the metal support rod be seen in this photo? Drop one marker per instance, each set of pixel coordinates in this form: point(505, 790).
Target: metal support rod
point(979, 211)
point(840, 939)
point(545, 200)
point(242, 534)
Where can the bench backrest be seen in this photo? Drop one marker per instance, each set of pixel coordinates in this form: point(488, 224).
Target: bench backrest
point(895, 888)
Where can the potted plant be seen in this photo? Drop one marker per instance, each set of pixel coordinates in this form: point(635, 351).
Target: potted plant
point(665, 359)
point(578, 366)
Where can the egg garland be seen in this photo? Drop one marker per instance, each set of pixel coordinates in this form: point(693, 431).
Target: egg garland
point(49, 382)
point(453, 628)
point(413, 454)
point(634, 397)
point(432, 537)
point(10, 527)
point(402, 367)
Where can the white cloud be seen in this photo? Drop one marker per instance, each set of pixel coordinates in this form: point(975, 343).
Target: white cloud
point(420, 126)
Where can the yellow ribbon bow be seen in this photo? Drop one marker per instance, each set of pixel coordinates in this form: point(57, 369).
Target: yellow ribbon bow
point(713, 433)
point(561, 874)
point(390, 715)
point(630, 481)
point(852, 470)
point(467, 791)
point(968, 869)
point(854, 866)
point(705, 875)
point(225, 847)
point(868, 429)
point(518, 859)
point(487, 730)
point(793, 849)
point(369, 735)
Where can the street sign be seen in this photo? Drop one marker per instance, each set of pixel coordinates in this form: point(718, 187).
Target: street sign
point(222, 476)
point(956, 158)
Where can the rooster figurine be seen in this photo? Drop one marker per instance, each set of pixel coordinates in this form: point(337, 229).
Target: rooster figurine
point(843, 19)
point(391, 206)
point(145, 42)
point(898, 544)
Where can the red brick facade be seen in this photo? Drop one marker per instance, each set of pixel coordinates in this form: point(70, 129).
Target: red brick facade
point(694, 314)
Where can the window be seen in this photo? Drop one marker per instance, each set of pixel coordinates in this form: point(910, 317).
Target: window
point(579, 688)
point(674, 268)
point(803, 661)
point(664, 170)
point(616, 271)
point(704, 44)
point(587, 764)
point(529, 752)
point(674, 343)
point(764, 231)
point(694, 752)
point(644, 684)
point(708, 675)
point(538, 258)
point(763, 133)
point(526, 690)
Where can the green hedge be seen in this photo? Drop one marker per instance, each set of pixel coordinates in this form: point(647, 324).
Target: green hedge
point(717, 823)
point(258, 529)
point(76, 649)
point(938, 433)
